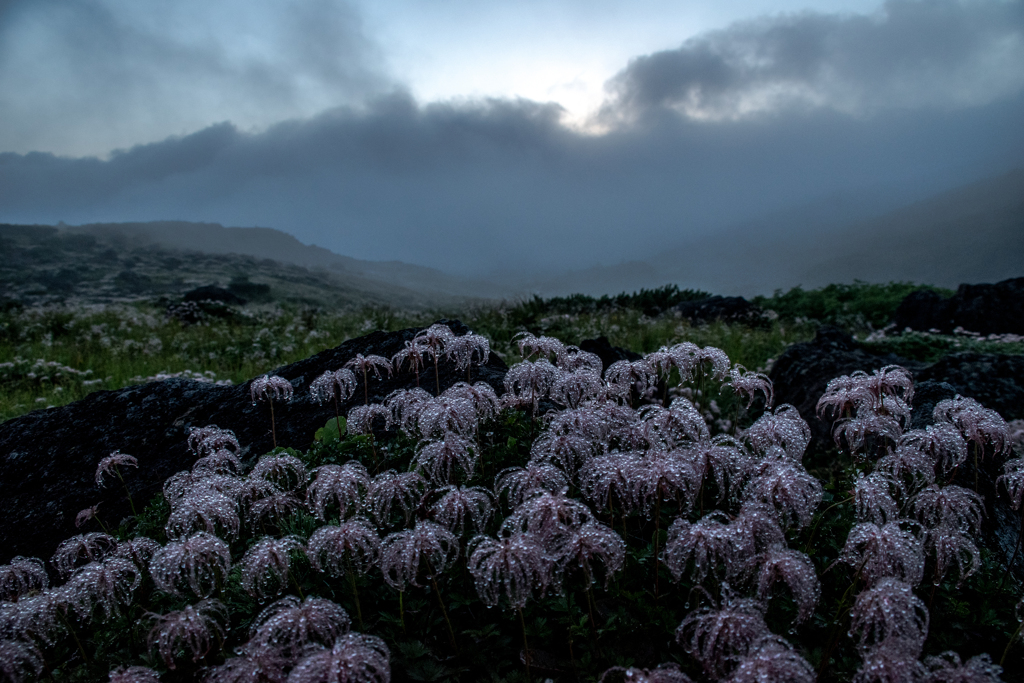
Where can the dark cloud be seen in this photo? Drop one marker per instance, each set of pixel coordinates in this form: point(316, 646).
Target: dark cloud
point(503, 185)
point(98, 74)
point(910, 54)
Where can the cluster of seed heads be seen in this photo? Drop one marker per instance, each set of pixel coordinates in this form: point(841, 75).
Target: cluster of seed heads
point(732, 500)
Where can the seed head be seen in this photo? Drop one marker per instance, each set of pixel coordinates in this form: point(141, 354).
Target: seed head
point(206, 440)
point(352, 546)
point(518, 483)
point(889, 614)
point(194, 629)
point(198, 564)
point(720, 639)
point(392, 488)
point(21, 575)
point(291, 625)
point(458, 504)
point(134, 674)
point(271, 388)
point(338, 385)
point(341, 486)
point(513, 566)
point(886, 551)
point(109, 465)
point(427, 549)
point(108, 585)
point(354, 658)
point(82, 549)
point(265, 566)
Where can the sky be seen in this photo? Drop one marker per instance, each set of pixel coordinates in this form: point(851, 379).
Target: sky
point(480, 136)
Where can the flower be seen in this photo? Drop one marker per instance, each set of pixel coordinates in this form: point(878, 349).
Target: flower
point(513, 566)
point(200, 563)
point(720, 639)
point(338, 385)
point(880, 552)
point(341, 486)
point(270, 388)
point(459, 503)
point(108, 585)
point(265, 566)
point(889, 614)
point(352, 546)
point(291, 624)
point(90, 547)
point(21, 575)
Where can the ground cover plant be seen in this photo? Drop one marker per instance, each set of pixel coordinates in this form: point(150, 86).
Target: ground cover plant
point(654, 523)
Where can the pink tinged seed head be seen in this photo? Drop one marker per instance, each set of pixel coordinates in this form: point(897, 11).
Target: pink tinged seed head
point(662, 476)
point(290, 625)
point(426, 550)
point(773, 659)
point(337, 487)
point(542, 347)
point(566, 451)
point(337, 385)
point(20, 661)
point(625, 377)
point(441, 458)
point(720, 639)
point(608, 479)
point(20, 576)
point(183, 484)
point(951, 506)
point(265, 566)
point(887, 551)
point(253, 666)
point(527, 383)
point(370, 365)
point(109, 465)
point(35, 618)
point(447, 415)
point(353, 658)
point(1013, 479)
point(978, 424)
point(788, 488)
point(85, 514)
point(890, 663)
point(518, 483)
point(108, 586)
point(485, 402)
point(664, 673)
point(198, 564)
point(514, 566)
point(749, 384)
point(209, 511)
point(796, 571)
point(707, 545)
point(591, 545)
point(573, 358)
point(274, 509)
point(873, 497)
point(952, 549)
point(194, 630)
point(909, 466)
point(82, 549)
point(223, 462)
point(405, 406)
point(271, 388)
point(351, 546)
point(206, 440)
point(459, 505)
point(365, 418)
point(867, 431)
point(467, 350)
point(948, 668)
point(889, 614)
point(134, 674)
point(285, 471)
point(547, 514)
point(941, 442)
point(139, 550)
point(678, 425)
point(575, 388)
point(392, 489)
point(784, 428)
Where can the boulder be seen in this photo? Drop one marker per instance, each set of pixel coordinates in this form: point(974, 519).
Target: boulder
point(608, 354)
point(49, 457)
point(729, 309)
point(985, 308)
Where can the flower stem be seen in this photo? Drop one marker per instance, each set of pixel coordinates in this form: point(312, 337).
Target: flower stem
point(451, 631)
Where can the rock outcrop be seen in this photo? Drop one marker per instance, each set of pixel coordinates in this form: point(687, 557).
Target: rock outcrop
point(729, 309)
point(48, 458)
point(983, 308)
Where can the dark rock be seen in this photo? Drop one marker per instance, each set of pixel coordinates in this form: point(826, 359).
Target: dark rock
point(927, 395)
point(801, 373)
point(49, 457)
point(729, 309)
point(984, 308)
point(213, 293)
point(608, 354)
point(996, 381)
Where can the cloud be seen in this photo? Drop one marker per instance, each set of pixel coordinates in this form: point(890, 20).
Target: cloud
point(911, 53)
point(88, 76)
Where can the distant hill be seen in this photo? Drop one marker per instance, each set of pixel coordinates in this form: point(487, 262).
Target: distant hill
point(268, 243)
point(120, 262)
point(973, 233)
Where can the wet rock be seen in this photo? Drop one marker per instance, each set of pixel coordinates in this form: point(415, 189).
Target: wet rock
point(608, 354)
point(49, 457)
point(985, 308)
point(729, 309)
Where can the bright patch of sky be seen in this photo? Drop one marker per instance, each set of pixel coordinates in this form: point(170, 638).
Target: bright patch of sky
point(547, 51)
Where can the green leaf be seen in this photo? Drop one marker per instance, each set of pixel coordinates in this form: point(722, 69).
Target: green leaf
point(329, 432)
